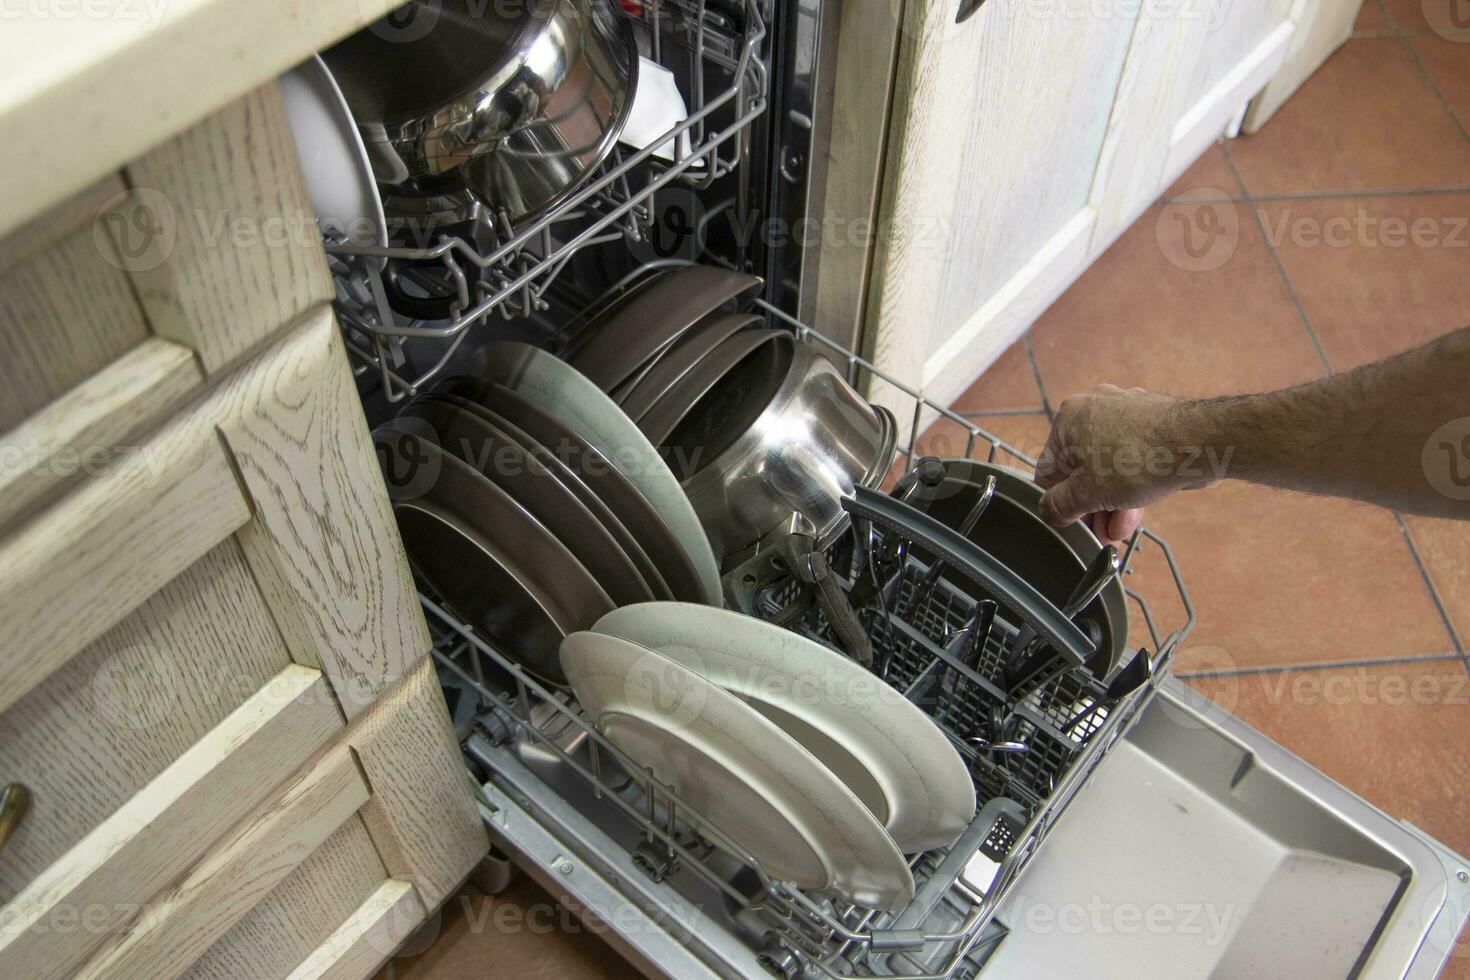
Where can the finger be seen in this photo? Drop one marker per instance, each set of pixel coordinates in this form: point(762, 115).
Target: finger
point(1051, 464)
point(1121, 524)
point(1065, 502)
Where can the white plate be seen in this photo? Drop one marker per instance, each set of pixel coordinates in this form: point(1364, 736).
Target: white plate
point(561, 390)
point(658, 106)
point(753, 781)
point(887, 751)
point(339, 179)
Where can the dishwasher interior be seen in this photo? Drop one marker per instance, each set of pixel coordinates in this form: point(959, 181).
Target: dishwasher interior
point(1151, 801)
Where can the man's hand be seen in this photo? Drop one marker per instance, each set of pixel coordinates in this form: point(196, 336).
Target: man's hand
point(1395, 433)
point(1108, 457)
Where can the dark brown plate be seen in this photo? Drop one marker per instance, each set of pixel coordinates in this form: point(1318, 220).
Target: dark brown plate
point(638, 330)
point(499, 542)
point(509, 464)
point(683, 356)
point(660, 421)
point(650, 530)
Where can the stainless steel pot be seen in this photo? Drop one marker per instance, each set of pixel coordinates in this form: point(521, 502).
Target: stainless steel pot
point(815, 440)
point(519, 100)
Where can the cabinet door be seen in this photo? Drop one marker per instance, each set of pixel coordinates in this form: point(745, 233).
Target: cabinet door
point(996, 128)
point(1186, 77)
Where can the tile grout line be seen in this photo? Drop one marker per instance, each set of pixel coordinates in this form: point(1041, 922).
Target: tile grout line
point(1424, 70)
point(1423, 658)
point(1036, 374)
point(1429, 583)
point(1296, 302)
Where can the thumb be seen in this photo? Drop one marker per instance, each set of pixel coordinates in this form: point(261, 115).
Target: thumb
point(1064, 503)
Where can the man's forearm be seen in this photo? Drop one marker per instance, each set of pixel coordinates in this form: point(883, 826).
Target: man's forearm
point(1394, 433)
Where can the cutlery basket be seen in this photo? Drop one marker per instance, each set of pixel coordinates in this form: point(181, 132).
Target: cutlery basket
point(534, 750)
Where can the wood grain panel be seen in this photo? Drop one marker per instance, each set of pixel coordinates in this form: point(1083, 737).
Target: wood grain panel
point(323, 544)
point(1206, 119)
point(368, 937)
point(1150, 100)
point(65, 312)
point(97, 731)
point(422, 814)
point(166, 827)
point(86, 93)
point(61, 222)
point(1232, 31)
point(997, 128)
point(1010, 312)
point(89, 423)
point(184, 921)
point(1321, 28)
point(299, 914)
point(79, 567)
point(1030, 133)
point(240, 257)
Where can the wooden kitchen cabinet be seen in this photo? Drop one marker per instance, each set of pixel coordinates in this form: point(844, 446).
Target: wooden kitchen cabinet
point(1012, 148)
point(215, 681)
point(1186, 77)
point(996, 127)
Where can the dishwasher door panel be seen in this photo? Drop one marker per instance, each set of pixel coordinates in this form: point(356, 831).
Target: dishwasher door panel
point(1200, 849)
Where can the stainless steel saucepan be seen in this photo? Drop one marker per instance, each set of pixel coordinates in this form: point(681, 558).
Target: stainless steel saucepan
point(520, 100)
point(814, 441)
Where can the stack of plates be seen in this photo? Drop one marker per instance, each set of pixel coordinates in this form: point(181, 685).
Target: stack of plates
point(532, 506)
point(807, 762)
point(755, 423)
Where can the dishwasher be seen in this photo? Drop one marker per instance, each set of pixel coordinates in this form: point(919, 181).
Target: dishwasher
point(1156, 836)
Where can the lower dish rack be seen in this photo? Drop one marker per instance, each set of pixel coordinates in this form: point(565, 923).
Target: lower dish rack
point(689, 898)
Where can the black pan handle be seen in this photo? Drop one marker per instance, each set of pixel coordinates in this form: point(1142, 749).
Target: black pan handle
point(977, 564)
point(414, 307)
point(967, 10)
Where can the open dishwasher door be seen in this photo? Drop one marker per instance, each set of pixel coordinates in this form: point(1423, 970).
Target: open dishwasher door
point(1204, 849)
point(1200, 848)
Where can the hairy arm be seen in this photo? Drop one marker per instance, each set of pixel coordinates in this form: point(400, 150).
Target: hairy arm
point(1395, 433)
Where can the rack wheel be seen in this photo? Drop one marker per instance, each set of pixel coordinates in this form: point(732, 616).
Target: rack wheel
point(494, 873)
point(655, 860)
point(778, 958)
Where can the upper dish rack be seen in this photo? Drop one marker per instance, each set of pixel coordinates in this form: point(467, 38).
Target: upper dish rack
point(509, 269)
point(531, 740)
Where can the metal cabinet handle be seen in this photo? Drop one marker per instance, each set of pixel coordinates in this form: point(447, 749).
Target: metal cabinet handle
point(967, 10)
point(14, 802)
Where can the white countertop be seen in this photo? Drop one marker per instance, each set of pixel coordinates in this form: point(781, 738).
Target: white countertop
point(88, 85)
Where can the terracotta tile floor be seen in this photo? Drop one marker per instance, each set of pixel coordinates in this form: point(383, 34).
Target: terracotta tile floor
point(1337, 629)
